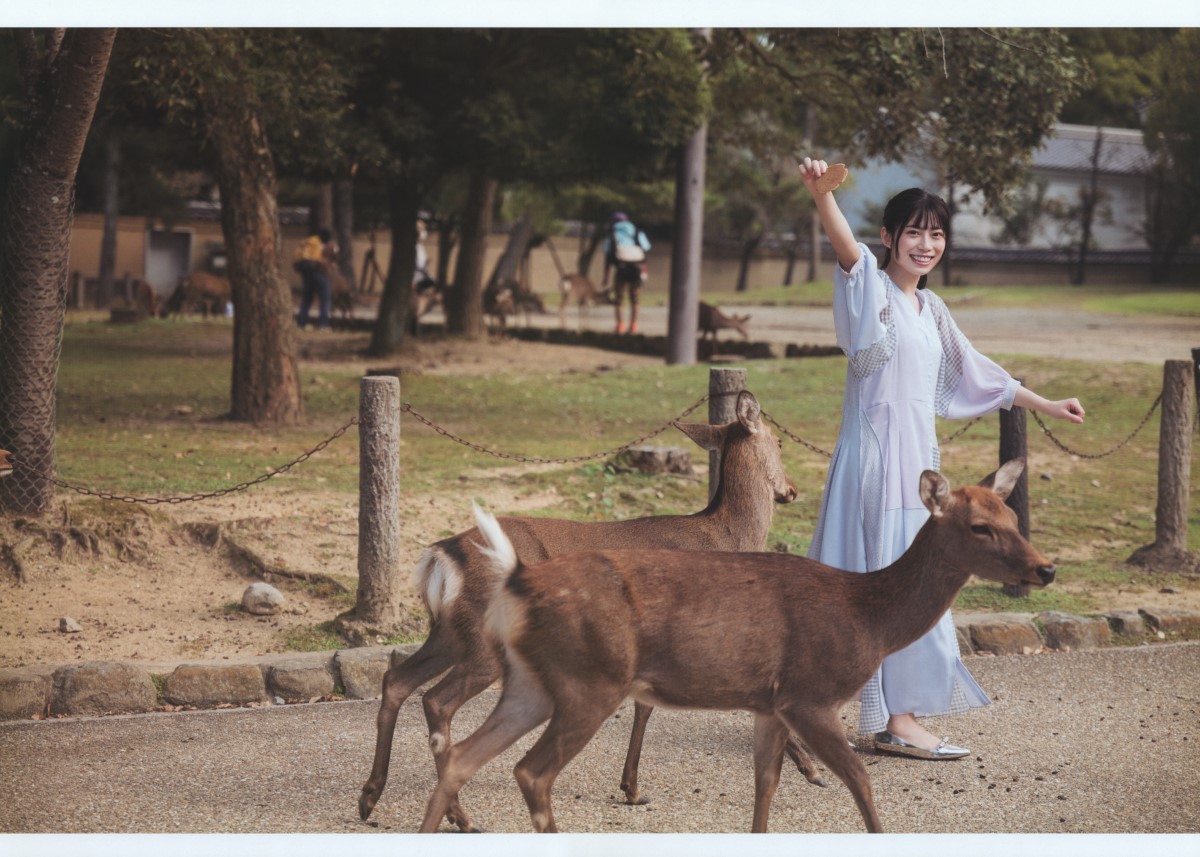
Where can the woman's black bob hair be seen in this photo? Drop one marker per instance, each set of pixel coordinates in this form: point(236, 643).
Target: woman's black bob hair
point(918, 208)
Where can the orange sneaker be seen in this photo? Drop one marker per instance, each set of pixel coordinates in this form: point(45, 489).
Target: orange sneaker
point(620, 327)
point(633, 327)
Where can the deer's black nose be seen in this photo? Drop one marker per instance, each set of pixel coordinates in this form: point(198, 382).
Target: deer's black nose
point(1046, 574)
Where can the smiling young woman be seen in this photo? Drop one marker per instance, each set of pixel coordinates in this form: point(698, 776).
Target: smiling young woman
point(908, 363)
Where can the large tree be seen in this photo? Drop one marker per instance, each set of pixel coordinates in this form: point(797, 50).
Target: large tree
point(62, 72)
point(498, 107)
point(244, 92)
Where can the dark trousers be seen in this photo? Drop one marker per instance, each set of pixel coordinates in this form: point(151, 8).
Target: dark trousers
point(316, 285)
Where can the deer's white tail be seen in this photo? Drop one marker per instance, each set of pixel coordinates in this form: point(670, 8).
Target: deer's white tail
point(504, 616)
point(439, 580)
point(498, 549)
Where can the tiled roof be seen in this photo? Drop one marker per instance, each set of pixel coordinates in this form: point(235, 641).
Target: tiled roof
point(1071, 147)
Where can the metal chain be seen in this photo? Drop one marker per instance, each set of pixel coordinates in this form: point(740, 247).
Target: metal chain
point(795, 437)
point(576, 459)
point(961, 431)
point(153, 501)
point(1094, 455)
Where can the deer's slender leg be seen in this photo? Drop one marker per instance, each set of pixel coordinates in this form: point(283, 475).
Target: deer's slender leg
point(822, 731)
point(629, 776)
point(465, 681)
point(804, 762)
point(433, 658)
point(770, 734)
point(523, 705)
point(569, 731)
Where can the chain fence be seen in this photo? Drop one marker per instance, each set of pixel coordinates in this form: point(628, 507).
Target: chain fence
point(35, 235)
point(33, 473)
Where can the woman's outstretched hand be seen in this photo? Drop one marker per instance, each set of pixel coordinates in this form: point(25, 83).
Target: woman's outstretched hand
point(1066, 409)
point(810, 171)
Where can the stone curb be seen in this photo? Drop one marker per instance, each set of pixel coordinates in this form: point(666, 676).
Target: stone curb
point(130, 687)
point(125, 687)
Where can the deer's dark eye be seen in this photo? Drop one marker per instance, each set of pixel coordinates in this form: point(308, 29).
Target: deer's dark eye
point(981, 529)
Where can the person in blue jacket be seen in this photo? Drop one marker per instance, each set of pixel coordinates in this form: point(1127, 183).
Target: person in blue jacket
point(625, 250)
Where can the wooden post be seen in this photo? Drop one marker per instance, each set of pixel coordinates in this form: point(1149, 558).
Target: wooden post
point(723, 387)
point(1014, 444)
point(1169, 551)
point(380, 583)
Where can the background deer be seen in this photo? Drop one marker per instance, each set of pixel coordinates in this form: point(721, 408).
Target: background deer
point(457, 583)
point(711, 319)
point(784, 637)
point(574, 288)
point(209, 292)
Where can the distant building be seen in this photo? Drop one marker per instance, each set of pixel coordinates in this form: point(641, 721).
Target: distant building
point(1064, 166)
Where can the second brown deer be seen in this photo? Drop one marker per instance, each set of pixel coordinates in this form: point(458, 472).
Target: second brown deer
point(457, 582)
point(787, 638)
point(575, 289)
point(710, 319)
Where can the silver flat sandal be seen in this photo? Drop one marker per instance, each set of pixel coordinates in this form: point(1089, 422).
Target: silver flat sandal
point(886, 742)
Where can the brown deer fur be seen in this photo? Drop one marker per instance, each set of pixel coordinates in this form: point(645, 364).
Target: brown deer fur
point(784, 637)
point(579, 290)
point(200, 289)
point(457, 584)
point(711, 320)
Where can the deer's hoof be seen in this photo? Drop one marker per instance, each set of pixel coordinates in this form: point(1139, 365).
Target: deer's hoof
point(366, 803)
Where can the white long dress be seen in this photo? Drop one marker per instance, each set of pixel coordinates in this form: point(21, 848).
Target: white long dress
point(904, 367)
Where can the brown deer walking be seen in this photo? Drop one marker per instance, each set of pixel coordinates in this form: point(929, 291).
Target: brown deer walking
point(208, 292)
point(457, 583)
point(786, 638)
point(574, 288)
point(710, 320)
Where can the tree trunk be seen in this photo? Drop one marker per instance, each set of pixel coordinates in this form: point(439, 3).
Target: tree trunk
point(62, 79)
point(447, 239)
point(464, 300)
point(343, 225)
point(589, 243)
point(748, 249)
point(265, 381)
point(391, 325)
point(514, 251)
point(1091, 199)
point(952, 209)
point(108, 240)
point(789, 270)
point(811, 123)
point(320, 216)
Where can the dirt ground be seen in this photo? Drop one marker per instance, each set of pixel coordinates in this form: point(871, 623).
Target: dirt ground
point(164, 586)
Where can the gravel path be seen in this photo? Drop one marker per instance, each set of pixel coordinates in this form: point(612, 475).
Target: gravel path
point(1103, 741)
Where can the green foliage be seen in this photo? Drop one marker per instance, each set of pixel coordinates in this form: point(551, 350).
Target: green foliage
point(1123, 75)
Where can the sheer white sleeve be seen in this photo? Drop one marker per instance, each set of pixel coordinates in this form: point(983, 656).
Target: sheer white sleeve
point(969, 384)
point(862, 315)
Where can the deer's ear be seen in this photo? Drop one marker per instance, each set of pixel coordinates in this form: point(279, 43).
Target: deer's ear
point(1004, 479)
point(705, 436)
point(935, 493)
point(749, 413)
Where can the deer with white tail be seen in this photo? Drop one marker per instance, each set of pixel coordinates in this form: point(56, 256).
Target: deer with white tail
point(457, 582)
point(784, 637)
